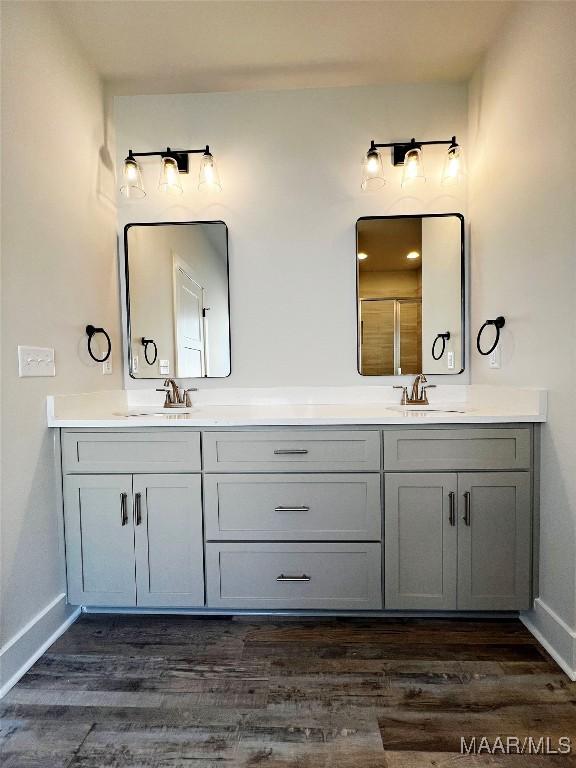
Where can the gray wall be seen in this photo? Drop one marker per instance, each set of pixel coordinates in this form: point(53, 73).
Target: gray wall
point(58, 274)
point(523, 212)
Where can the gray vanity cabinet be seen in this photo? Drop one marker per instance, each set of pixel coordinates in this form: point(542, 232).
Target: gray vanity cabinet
point(494, 541)
point(457, 541)
point(420, 540)
point(134, 540)
point(99, 539)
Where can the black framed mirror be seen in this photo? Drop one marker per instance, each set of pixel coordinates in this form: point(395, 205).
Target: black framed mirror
point(177, 299)
point(410, 294)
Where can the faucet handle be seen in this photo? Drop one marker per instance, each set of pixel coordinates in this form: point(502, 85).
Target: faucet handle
point(187, 400)
point(404, 393)
point(424, 393)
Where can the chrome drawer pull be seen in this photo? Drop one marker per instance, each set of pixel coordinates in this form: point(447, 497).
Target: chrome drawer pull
point(293, 578)
point(290, 451)
point(292, 509)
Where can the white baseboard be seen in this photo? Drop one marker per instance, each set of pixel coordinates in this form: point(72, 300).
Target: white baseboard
point(553, 634)
point(26, 647)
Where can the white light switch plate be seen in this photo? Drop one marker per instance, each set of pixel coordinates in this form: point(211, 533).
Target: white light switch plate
point(36, 361)
point(164, 367)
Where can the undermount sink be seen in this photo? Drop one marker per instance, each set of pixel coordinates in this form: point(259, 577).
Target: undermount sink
point(156, 411)
point(408, 409)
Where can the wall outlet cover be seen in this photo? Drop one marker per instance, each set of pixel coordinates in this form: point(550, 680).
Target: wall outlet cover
point(135, 363)
point(451, 360)
point(495, 358)
point(107, 367)
point(36, 361)
point(164, 367)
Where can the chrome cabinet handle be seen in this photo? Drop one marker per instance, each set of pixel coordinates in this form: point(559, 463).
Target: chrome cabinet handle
point(138, 508)
point(466, 517)
point(124, 508)
point(452, 502)
point(293, 578)
point(292, 509)
point(290, 451)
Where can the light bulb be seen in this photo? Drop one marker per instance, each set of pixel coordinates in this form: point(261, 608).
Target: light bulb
point(132, 186)
point(372, 172)
point(170, 177)
point(208, 173)
point(453, 165)
point(413, 169)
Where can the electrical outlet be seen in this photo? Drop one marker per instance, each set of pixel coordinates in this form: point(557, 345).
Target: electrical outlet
point(36, 361)
point(495, 358)
point(107, 367)
point(135, 363)
point(164, 367)
point(451, 360)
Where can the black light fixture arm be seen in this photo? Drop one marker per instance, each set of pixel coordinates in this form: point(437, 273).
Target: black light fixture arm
point(400, 148)
point(170, 152)
point(179, 155)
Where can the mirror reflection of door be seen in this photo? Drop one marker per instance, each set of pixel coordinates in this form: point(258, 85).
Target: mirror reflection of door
point(188, 323)
point(177, 281)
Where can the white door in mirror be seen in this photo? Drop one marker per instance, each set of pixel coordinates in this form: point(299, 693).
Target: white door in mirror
point(36, 361)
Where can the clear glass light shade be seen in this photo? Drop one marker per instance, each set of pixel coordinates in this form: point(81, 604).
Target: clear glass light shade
point(453, 166)
point(170, 177)
point(209, 177)
point(372, 171)
point(132, 186)
point(413, 169)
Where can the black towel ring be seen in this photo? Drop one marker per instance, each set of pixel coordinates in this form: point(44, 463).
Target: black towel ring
point(91, 331)
point(445, 337)
point(498, 323)
point(146, 343)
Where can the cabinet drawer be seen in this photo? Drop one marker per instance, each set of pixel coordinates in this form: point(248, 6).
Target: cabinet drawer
point(297, 450)
point(453, 449)
point(293, 507)
point(294, 576)
point(172, 450)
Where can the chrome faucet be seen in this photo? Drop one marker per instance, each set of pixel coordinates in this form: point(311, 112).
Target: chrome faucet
point(176, 397)
point(418, 395)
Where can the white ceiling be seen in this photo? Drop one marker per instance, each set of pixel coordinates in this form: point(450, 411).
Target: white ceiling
point(151, 46)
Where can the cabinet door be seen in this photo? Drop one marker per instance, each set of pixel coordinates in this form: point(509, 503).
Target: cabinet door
point(169, 540)
point(420, 541)
point(494, 532)
point(99, 540)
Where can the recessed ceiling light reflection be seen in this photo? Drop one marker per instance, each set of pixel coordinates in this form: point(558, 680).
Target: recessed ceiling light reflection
point(362, 256)
point(413, 255)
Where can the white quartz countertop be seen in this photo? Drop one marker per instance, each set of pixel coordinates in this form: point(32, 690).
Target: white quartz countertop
point(299, 406)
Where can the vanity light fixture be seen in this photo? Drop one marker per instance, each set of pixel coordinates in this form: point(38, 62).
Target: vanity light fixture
point(409, 155)
point(173, 163)
point(413, 255)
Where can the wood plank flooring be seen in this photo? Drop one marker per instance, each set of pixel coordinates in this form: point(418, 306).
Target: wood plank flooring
point(173, 691)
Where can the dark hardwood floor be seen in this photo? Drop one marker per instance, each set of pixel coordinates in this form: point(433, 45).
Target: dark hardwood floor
point(173, 691)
